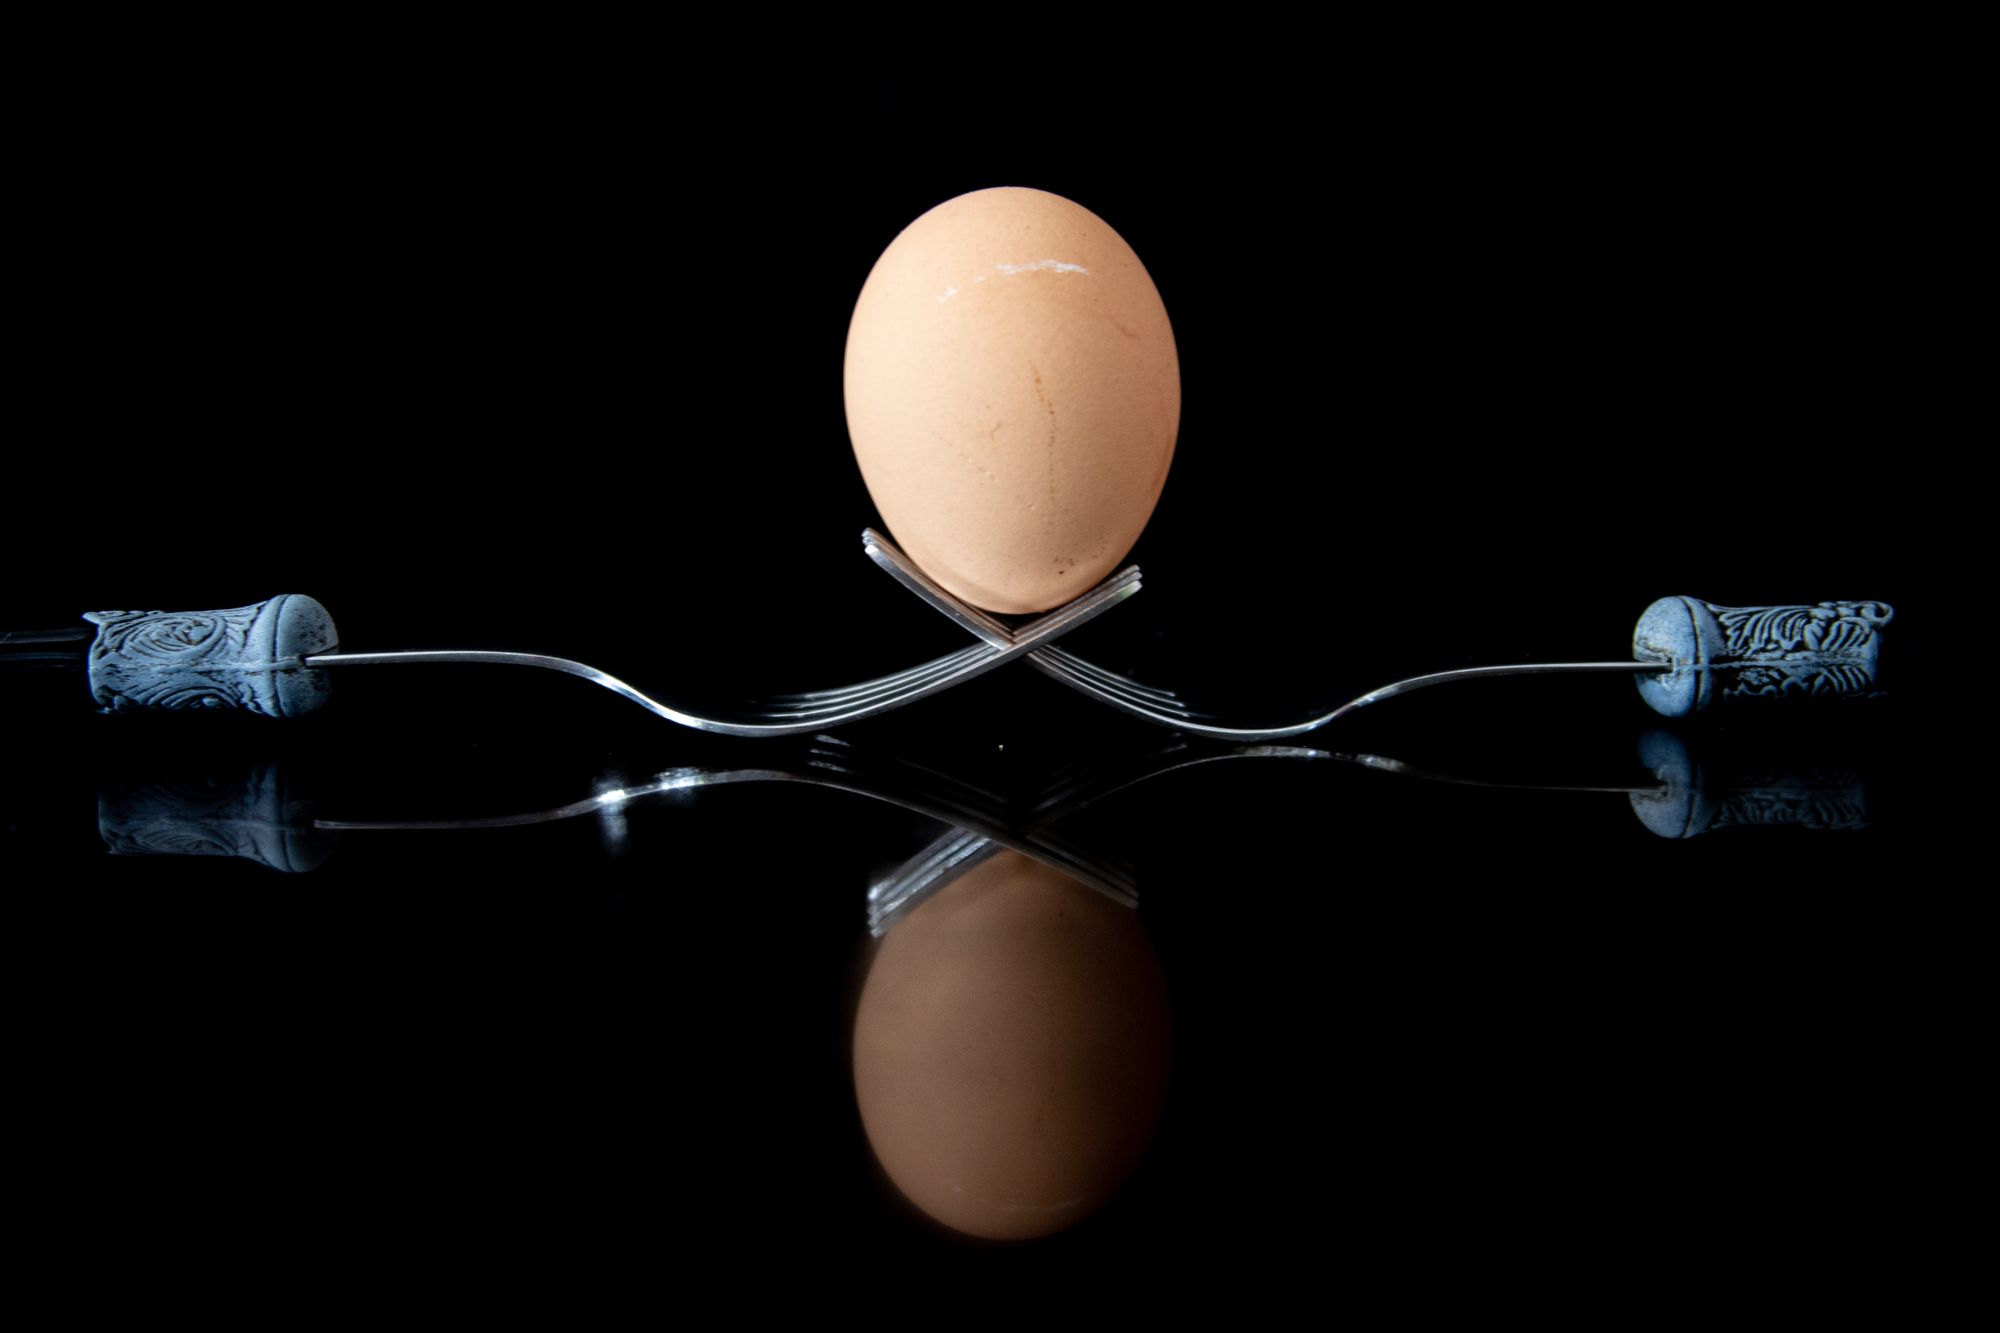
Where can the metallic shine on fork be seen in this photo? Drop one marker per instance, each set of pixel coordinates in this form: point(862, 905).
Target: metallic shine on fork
point(269, 658)
point(816, 711)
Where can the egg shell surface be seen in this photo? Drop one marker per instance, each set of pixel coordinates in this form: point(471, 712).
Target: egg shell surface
point(1013, 396)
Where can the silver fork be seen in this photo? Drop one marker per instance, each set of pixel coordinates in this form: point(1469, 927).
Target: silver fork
point(1164, 706)
point(1694, 652)
point(270, 658)
point(817, 710)
point(1171, 712)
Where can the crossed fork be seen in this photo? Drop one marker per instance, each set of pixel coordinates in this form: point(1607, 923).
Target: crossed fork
point(796, 714)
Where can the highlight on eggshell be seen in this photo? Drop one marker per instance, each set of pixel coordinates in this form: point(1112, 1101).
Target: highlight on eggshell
point(1013, 396)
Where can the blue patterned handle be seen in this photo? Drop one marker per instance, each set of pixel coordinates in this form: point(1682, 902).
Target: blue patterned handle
point(1735, 653)
point(248, 657)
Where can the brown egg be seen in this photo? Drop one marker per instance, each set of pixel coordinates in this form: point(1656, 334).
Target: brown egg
point(1010, 1050)
point(1013, 396)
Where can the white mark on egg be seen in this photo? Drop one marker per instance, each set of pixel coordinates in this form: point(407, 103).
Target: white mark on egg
point(1042, 266)
point(949, 292)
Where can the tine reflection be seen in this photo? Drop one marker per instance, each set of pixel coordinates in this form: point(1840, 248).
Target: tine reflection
point(958, 851)
point(1011, 1049)
point(936, 865)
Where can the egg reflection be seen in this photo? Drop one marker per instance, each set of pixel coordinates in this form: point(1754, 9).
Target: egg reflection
point(1011, 1049)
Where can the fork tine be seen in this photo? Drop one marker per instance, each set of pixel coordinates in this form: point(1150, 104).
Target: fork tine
point(949, 796)
point(1084, 606)
point(880, 697)
point(1199, 724)
point(1172, 715)
point(813, 701)
point(802, 705)
point(967, 617)
point(1060, 795)
point(1112, 680)
point(977, 622)
point(835, 750)
point(904, 570)
point(879, 683)
point(943, 852)
point(1088, 607)
point(1112, 690)
point(754, 720)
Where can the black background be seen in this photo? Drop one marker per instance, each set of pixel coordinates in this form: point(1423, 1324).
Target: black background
point(1479, 359)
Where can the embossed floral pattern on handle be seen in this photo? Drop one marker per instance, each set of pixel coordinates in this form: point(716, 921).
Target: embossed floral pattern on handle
point(246, 657)
point(1732, 653)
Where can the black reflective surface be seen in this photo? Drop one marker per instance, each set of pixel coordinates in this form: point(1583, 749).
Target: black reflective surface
point(1459, 390)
